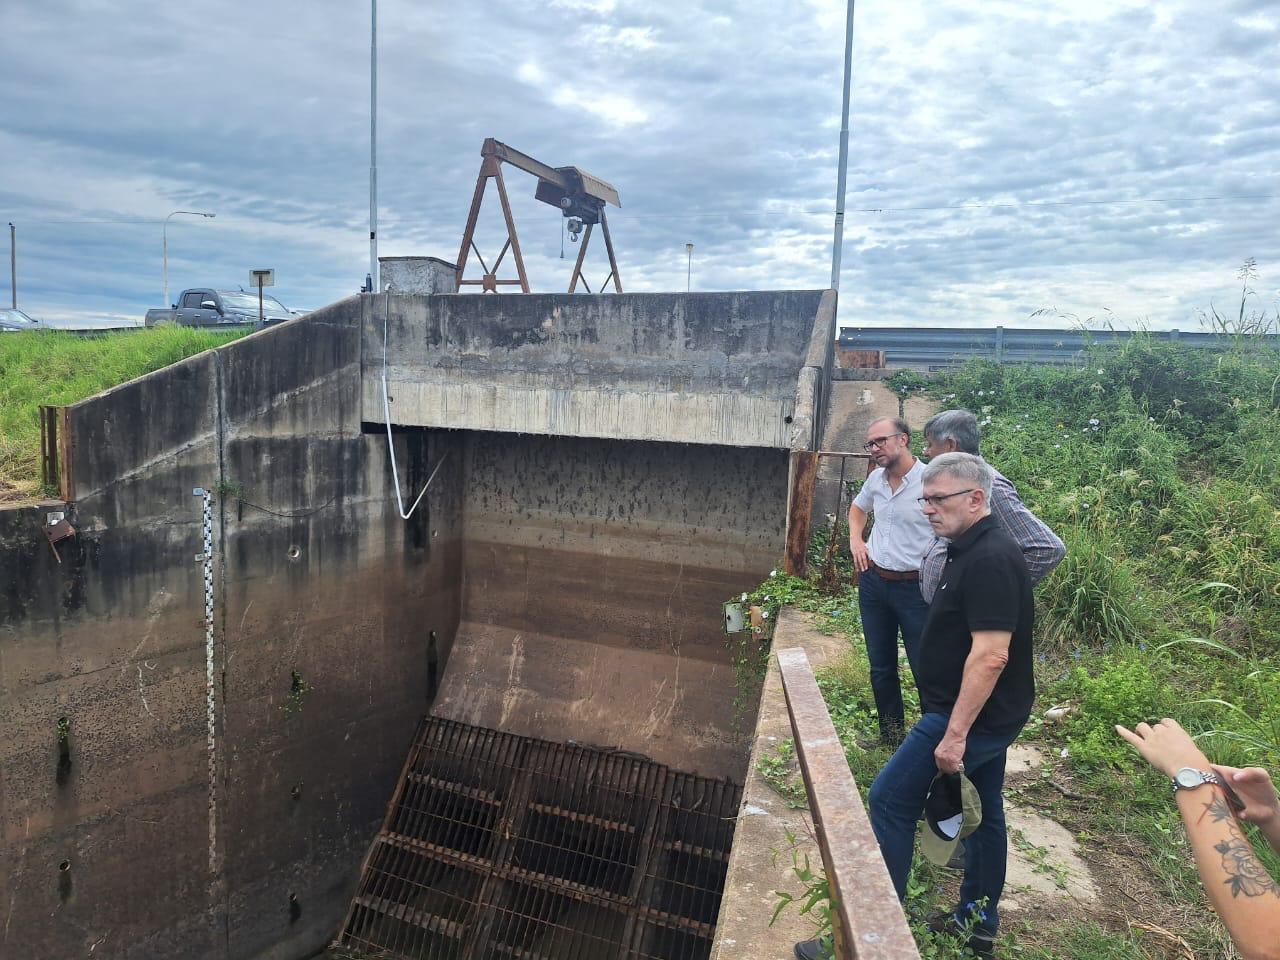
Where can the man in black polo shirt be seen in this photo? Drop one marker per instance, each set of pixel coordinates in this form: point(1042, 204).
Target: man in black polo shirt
point(976, 688)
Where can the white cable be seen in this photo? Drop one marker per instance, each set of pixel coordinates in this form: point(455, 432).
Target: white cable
point(386, 416)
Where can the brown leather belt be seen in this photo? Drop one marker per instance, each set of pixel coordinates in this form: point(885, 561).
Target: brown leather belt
point(895, 575)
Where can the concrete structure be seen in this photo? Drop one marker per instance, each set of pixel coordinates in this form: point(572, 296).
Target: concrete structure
point(417, 275)
point(164, 797)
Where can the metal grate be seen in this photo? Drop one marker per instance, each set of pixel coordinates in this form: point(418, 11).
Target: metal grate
point(498, 846)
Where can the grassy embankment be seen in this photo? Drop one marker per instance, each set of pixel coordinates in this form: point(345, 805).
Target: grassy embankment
point(53, 367)
point(1159, 467)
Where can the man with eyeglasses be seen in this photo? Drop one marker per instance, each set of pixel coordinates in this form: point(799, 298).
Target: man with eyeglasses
point(957, 431)
point(976, 690)
point(888, 565)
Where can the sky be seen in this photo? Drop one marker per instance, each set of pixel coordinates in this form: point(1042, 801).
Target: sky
point(1015, 162)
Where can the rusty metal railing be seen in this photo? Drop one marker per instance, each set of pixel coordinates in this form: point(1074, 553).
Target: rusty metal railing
point(804, 482)
point(867, 919)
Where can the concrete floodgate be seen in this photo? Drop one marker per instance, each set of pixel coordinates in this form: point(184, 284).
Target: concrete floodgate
point(207, 712)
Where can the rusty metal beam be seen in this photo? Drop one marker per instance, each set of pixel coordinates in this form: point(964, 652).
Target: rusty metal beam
point(804, 475)
point(522, 161)
point(867, 917)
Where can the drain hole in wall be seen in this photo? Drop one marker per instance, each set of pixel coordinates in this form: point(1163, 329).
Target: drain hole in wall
point(787, 418)
point(64, 866)
point(295, 908)
point(296, 791)
point(434, 534)
point(294, 553)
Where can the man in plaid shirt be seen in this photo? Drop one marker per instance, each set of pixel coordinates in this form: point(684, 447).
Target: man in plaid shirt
point(957, 430)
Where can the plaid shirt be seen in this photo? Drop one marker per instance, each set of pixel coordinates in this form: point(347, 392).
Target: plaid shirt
point(1041, 548)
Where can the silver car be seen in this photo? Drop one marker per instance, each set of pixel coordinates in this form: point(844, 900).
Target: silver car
point(11, 320)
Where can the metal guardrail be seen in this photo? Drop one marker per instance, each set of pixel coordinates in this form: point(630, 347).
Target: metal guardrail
point(933, 347)
point(867, 919)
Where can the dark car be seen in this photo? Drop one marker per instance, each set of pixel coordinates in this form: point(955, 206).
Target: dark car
point(203, 307)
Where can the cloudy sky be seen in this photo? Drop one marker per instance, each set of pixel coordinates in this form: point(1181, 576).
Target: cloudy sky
point(1107, 160)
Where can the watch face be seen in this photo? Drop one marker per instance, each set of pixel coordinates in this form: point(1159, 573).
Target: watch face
point(1186, 777)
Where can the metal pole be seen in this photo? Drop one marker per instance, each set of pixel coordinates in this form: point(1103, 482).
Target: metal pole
point(688, 279)
point(838, 242)
point(373, 149)
point(165, 236)
point(13, 262)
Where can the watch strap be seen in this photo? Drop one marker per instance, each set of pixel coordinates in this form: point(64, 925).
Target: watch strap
point(1206, 776)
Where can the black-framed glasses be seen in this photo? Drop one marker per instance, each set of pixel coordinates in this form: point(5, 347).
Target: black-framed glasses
point(937, 499)
point(878, 441)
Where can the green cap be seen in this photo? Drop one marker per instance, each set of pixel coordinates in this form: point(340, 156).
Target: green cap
point(952, 811)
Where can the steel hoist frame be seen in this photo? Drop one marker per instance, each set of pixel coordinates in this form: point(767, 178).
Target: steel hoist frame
point(577, 194)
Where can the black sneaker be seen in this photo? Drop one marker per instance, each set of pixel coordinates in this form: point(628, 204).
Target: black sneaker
point(819, 948)
point(979, 941)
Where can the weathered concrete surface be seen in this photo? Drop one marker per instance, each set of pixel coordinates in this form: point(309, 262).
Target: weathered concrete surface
point(854, 406)
point(724, 368)
point(761, 859)
point(417, 275)
point(316, 575)
point(594, 575)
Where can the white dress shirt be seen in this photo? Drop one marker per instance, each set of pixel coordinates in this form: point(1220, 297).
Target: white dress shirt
point(902, 533)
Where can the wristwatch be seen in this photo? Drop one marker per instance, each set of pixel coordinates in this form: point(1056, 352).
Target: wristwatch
point(1188, 778)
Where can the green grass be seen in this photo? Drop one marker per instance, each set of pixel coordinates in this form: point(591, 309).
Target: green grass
point(53, 367)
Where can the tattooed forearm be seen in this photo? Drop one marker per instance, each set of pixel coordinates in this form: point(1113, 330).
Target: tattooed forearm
point(1245, 873)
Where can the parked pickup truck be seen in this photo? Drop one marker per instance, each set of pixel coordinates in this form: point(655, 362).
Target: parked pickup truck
point(201, 307)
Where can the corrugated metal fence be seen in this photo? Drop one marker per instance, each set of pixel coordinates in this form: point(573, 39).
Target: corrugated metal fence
point(933, 347)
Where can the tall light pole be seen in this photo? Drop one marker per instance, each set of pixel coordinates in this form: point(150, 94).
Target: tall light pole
point(165, 235)
point(688, 277)
point(838, 243)
point(373, 149)
point(13, 262)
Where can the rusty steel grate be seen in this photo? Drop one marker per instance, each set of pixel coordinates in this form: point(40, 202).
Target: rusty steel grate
point(499, 846)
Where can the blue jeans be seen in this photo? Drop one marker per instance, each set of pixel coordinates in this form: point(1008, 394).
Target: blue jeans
point(897, 802)
point(887, 607)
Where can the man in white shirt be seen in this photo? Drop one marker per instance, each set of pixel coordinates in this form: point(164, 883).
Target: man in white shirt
point(888, 564)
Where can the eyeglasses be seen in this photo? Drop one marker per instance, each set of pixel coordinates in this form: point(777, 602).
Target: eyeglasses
point(879, 441)
point(937, 500)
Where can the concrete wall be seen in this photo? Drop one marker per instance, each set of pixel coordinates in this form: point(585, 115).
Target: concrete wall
point(716, 368)
point(581, 579)
point(315, 575)
point(595, 572)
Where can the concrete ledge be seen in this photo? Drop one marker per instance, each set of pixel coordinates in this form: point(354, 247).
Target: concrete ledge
point(760, 861)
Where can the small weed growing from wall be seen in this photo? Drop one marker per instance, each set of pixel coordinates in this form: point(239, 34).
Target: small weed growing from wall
point(64, 750)
point(298, 690)
point(229, 489)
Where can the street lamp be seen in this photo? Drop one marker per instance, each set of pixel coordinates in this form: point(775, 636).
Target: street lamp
point(165, 234)
point(688, 277)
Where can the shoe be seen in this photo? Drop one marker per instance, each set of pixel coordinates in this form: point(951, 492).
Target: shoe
point(979, 941)
point(819, 948)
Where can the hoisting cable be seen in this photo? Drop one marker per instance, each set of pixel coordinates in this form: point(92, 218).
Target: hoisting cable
point(386, 416)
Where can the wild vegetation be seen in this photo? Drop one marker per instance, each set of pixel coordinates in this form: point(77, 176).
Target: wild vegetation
point(1159, 466)
point(55, 367)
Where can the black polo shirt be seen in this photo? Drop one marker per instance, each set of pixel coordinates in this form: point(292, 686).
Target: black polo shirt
point(985, 586)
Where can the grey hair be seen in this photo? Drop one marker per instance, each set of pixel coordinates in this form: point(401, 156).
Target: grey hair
point(958, 425)
point(965, 467)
